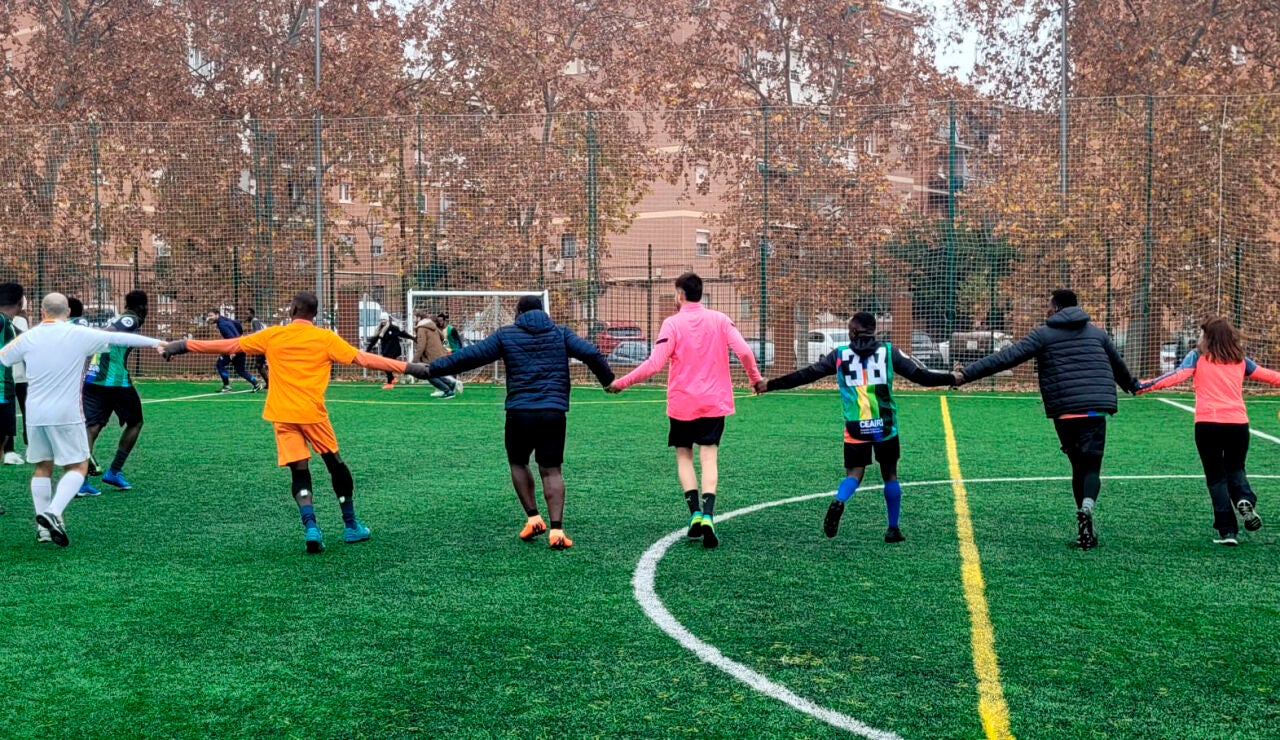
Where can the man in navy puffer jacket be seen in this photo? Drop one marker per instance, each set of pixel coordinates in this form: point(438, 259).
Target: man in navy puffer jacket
point(536, 352)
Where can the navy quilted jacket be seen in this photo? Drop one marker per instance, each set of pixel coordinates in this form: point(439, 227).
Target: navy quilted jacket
point(536, 354)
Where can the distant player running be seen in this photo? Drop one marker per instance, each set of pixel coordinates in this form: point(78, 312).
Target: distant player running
point(864, 371)
point(697, 341)
point(229, 328)
point(1219, 368)
point(55, 352)
point(108, 390)
point(301, 356)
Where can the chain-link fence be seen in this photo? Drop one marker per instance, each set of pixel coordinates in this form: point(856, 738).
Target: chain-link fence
point(951, 221)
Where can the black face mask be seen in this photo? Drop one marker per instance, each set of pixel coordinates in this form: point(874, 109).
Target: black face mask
point(863, 344)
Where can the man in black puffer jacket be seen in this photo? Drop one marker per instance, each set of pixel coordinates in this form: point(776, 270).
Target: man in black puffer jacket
point(536, 354)
point(1079, 369)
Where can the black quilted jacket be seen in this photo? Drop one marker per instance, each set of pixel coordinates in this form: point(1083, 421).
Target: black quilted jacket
point(1078, 365)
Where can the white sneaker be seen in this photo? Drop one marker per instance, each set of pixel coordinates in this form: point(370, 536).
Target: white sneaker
point(13, 458)
point(438, 394)
point(43, 535)
point(457, 387)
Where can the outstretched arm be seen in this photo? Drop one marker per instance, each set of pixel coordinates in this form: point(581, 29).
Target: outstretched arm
point(745, 355)
point(1016, 354)
point(580, 349)
point(823, 368)
point(1181, 374)
point(477, 355)
point(657, 360)
point(1254, 371)
point(911, 369)
point(1124, 378)
point(378, 362)
point(206, 346)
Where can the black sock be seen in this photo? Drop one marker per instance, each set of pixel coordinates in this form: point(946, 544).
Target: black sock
point(531, 512)
point(117, 464)
point(557, 524)
point(691, 498)
point(708, 504)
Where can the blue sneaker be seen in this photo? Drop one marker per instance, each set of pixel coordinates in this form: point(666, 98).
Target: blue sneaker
point(315, 541)
point(358, 533)
point(116, 478)
point(87, 490)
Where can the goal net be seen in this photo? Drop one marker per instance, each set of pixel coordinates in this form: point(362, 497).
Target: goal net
point(471, 317)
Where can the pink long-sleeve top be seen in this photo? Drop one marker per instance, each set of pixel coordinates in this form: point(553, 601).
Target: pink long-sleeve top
point(697, 341)
point(1219, 387)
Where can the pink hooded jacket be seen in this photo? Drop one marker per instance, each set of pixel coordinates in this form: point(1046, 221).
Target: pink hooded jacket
point(697, 341)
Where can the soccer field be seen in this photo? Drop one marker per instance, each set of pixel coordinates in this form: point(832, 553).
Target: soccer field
point(187, 607)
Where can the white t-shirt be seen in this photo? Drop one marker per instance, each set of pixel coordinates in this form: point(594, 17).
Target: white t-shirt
point(54, 353)
point(20, 370)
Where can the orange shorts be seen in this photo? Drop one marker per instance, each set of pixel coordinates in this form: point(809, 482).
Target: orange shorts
point(292, 441)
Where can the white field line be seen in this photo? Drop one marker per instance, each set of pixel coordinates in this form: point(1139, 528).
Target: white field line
point(646, 596)
point(1192, 409)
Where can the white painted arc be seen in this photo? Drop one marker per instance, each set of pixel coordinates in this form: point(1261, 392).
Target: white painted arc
point(646, 595)
point(1252, 431)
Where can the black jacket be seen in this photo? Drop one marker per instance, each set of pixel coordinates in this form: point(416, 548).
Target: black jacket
point(536, 352)
point(1078, 365)
point(388, 342)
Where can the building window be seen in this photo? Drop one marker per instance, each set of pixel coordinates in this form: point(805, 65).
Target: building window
point(700, 175)
point(161, 247)
point(376, 247)
point(568, 246)
point(869, 145)
point(702, 243)
point(344, 192)
point(347, 242)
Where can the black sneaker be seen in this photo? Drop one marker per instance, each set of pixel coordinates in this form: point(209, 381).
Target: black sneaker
point(1085, 537)
point(695, 526)
point(831, 523)
point(1229, 539)
point(53, 523)
point(95, 470)
point(1252, 522)
point(258, 387)
point(893, 534)
point(709, 538)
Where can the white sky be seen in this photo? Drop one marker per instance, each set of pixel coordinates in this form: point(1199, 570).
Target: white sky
point(961, 55)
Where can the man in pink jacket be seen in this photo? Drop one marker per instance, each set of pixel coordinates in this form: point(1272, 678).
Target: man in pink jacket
point(697, 341)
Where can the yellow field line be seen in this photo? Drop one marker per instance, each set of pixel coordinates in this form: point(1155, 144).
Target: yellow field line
point(991, 704)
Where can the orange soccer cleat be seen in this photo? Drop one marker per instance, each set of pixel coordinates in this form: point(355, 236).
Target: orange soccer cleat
point(559, 540)
point(532, 528)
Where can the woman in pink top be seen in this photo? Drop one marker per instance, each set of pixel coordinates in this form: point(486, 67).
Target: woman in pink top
point(697, 341)
point(1219, 367)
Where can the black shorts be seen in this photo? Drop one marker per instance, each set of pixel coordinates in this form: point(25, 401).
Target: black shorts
point(858, 454)
point(100, 402)
point(1082, 437)
point(9, 419)
point(705, 432)
point(540, 432)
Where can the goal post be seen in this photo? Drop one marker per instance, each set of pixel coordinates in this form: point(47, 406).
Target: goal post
point(474, 313)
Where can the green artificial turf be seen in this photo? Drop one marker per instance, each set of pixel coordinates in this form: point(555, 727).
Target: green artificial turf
point(187, 607)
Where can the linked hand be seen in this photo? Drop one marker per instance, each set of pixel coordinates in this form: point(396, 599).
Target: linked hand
point(613, 389)
point(958, 375)
point(760, 387)
point(419, 370)
point(170, 350)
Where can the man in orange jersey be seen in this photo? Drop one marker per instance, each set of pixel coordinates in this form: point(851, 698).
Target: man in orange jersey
point(301, 356)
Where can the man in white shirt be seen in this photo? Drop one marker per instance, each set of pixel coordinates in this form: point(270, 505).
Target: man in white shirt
point(54, 353)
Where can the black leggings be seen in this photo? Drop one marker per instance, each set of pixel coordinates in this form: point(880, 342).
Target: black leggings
point(1084, 441)
point(1223, 448)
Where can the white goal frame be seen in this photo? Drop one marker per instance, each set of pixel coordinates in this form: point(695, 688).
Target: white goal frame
point(415, 298)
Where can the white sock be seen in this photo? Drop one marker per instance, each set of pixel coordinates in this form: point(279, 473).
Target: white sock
point(1087, 506)
point(41, 494)
point(68, 487)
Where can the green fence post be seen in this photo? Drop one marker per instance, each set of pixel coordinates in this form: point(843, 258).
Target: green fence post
point(97, 217)
point(764, 235)
point(649, 297)
point(593, 221)
point(1148, 240)
point(420, 203)
point(950, 298)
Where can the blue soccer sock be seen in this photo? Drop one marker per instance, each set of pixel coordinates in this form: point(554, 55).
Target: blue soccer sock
point(308, 513)
point(893, 501)
point(846, 489)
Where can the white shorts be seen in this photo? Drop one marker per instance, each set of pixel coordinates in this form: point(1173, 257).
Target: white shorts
point(64, 444)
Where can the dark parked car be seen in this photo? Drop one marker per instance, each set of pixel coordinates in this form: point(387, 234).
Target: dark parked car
point(611, 333)
point(630, 354)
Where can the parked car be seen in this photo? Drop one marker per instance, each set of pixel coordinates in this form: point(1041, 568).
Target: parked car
point(926, 351)
point(769, 353)
point(969, 346)
point(1172, 351)
point(610, 334)
point(820, 342)
point(629, 354)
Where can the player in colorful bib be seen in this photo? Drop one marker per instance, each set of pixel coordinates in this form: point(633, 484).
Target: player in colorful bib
point(864, 371)
point(108, 390)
